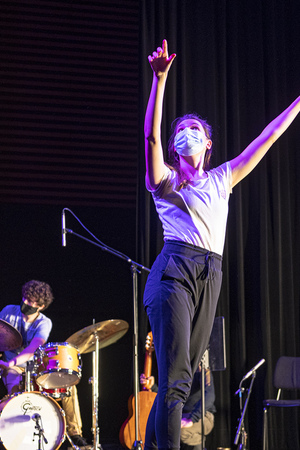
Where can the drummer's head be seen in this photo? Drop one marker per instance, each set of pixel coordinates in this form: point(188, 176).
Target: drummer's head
point(38, 292)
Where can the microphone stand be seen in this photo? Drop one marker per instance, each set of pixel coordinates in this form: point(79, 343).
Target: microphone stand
point(202, 446)
point(241, 428)
point(134, 271)
point(40, 434)
point(203, 366)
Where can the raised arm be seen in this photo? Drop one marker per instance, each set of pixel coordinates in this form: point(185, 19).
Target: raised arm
point(160, 63)
point(243, 164)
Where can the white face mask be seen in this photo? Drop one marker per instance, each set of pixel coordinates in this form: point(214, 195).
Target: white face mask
point(189, 142)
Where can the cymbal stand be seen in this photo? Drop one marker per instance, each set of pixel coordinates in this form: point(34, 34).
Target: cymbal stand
point(95, 384)
point(134, 270)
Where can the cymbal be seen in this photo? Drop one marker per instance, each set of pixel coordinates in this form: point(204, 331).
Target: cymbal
point(10, 338)
point(108, 332)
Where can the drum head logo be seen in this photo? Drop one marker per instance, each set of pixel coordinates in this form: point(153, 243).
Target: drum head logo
point(27, 407)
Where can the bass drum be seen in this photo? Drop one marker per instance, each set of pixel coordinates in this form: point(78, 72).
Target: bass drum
point(23, 413)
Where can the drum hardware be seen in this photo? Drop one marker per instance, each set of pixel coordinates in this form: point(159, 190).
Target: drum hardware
point(54, 365)
point(91, 339)
point(28, 384)
point(55, 368)
point(75, 447)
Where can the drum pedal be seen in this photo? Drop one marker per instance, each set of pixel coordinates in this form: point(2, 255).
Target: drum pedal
point(73, 446)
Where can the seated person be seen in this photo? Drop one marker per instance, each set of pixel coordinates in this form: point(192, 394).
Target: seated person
point(191, 423)
point(35, 328)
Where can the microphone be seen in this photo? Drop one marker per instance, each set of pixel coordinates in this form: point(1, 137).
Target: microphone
point(36, 417)
point(63, 229)
point(260, 363)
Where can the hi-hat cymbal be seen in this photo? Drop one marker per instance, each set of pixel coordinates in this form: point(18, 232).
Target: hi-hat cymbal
point(108, 332)
point(10, 338)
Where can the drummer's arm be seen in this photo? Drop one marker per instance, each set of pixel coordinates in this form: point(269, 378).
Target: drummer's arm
point(27, 353)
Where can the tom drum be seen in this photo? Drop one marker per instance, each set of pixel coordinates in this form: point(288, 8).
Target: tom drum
point(58, 365)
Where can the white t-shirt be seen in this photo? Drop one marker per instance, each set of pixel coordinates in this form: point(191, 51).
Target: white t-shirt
point(197, 213)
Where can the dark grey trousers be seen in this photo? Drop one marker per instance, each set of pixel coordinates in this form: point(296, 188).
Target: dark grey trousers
point(180, 298)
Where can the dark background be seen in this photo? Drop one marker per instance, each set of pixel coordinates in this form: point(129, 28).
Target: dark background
point(74, 85)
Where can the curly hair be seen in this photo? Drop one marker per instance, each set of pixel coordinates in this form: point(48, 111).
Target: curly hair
point(39, 292)
point(173, 157)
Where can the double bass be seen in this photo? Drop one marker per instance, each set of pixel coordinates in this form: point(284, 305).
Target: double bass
point(145, 401)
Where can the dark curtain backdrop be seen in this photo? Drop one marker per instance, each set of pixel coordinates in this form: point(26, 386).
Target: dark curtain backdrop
point(74, 85)
point(68, 138)
point(238, 66)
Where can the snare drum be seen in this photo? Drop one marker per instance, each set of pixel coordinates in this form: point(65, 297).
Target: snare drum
point(57, 393)
point(19, 418)
point(32, 385)
point(58, 365)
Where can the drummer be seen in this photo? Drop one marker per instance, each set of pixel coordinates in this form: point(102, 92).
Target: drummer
point(35, 328)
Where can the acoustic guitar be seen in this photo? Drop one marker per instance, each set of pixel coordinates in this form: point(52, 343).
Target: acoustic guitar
point(145, 401)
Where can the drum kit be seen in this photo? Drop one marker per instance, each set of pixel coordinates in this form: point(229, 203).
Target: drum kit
point(33, 416)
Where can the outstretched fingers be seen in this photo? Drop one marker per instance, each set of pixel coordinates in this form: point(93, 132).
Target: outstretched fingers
point(160, 60)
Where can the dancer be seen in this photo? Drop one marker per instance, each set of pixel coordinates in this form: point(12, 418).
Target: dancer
point(183, 286)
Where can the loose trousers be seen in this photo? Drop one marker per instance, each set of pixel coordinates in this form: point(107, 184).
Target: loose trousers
point(180, 298)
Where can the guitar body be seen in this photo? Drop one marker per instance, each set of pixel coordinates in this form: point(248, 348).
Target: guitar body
point(145, 401)
point(127, 431)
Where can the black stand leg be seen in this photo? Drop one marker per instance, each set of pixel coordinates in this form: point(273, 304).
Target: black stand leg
point(137, 444)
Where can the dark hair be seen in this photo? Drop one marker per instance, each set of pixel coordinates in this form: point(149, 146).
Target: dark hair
point(173, 156)
point(39, 292)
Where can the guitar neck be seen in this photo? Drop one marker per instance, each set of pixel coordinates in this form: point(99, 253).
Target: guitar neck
point(148, 360)
point(148, 364)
